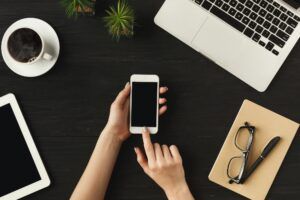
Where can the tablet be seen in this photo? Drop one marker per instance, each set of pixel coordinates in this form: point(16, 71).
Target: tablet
point(21, 170)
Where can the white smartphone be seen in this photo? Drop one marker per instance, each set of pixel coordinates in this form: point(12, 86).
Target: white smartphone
point(144, 103)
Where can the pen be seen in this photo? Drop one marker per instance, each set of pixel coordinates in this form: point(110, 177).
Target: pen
point(269, 147)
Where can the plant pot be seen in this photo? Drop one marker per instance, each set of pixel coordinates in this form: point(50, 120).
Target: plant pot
point(87, 10)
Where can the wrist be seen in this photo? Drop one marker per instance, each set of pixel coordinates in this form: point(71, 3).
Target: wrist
point(111, 134)
point(178, 192)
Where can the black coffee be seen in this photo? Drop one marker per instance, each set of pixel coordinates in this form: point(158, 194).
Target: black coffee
point(24, 45)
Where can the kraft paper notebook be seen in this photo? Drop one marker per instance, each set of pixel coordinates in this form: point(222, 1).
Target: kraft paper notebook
point(268, 125)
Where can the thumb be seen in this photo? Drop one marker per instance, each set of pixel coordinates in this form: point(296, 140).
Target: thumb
point(141, 159)
point(123, 95)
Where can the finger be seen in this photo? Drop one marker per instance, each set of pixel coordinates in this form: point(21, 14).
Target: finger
point(163, 109)
point(141, 159)
point(163, 90)
point(123, 95)
point(126, 106)
point(166, 152)
point(175, 153)
point(158, 153)
point(162, 100)
point(148, 145)
point(126, 110)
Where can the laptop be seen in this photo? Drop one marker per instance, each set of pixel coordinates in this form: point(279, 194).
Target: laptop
point(249, 38)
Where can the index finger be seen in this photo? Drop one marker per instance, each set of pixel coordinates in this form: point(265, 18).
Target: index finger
point(148, 145)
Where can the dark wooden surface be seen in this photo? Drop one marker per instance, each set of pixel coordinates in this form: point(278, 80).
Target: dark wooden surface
point(67, 108)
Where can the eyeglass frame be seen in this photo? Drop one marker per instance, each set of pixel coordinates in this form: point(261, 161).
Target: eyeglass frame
point(245, 153)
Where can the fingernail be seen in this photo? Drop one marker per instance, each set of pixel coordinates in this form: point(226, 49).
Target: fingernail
point(167, 88)
point(126, 84)
point(144, 129)
point(135, 149)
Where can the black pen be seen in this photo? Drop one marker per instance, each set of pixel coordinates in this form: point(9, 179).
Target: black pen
point(262, 156)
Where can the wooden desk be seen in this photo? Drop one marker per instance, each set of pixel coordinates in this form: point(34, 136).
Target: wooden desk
point(67, 108)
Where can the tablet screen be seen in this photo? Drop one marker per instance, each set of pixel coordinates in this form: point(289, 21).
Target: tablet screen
point(17, 168)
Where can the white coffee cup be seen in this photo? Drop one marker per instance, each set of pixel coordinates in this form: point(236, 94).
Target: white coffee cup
point(16, 49)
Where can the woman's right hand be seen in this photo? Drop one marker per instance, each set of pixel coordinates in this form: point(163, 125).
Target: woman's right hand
point(164, 165)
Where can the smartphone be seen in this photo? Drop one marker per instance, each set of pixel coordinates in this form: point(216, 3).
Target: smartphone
point(144, 103)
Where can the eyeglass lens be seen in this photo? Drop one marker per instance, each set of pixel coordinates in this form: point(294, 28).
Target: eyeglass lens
point(242, 139)
point(235, 166)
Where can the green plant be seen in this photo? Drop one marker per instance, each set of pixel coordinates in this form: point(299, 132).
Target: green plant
point(74, 7)
point(120, 20)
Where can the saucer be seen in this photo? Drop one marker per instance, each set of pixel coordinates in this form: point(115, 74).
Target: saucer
point(51, 40)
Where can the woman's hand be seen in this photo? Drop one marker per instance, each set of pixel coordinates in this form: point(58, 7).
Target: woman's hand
point(164, 165)
point(118, 118)
point(94, 181)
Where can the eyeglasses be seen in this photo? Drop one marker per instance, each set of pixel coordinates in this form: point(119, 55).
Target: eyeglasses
point(243, 141)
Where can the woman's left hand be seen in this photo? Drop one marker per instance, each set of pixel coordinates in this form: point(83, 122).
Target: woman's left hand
point(118, 123)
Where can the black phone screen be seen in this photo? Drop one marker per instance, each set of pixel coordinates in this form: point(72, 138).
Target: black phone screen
point(144, 104)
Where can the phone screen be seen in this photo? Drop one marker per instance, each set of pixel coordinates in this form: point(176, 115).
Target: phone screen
point(144, 104)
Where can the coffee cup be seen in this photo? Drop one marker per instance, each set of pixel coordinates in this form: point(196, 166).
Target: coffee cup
point(26, 46)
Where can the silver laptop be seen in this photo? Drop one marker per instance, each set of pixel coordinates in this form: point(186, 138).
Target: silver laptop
point(249, 38)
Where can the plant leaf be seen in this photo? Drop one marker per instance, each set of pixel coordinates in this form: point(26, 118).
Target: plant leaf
point(120, 20)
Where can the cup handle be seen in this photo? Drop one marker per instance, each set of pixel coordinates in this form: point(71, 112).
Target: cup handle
point(47, 56)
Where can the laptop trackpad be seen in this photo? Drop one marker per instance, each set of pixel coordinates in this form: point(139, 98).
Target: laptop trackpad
point(218, 41)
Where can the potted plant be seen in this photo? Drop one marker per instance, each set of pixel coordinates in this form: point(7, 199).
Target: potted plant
point(120, 20)
point(75, 7)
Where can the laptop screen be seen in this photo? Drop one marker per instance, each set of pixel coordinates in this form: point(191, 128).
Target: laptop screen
point(294, 3)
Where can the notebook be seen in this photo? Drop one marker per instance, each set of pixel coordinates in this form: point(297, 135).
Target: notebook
point(268, 125)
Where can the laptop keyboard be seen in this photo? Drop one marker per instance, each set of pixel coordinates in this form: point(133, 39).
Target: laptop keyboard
point(266, 22)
